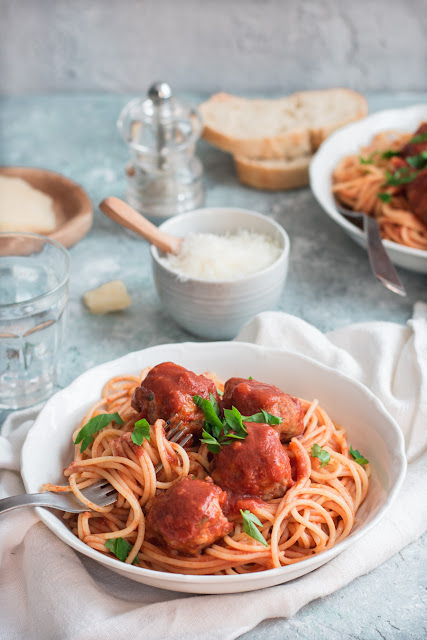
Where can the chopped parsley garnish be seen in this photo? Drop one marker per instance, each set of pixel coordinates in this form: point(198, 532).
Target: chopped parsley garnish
point(213, 434)
point(233, 421)
point(263, 417)
point(369, 159)
point(390, 154)
point(210, 411)
point(85, 435)
point(420, 137)
point(120, 547)
point(249, 522)
point(385, 197)
point(357, 456)
point(214, 446)
point(419, 161)
point(222, 431)
point(140, 431)
point(318, 452)
point(403, 175)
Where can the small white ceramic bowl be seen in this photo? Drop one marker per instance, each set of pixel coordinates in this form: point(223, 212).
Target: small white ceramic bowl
point(217, 309)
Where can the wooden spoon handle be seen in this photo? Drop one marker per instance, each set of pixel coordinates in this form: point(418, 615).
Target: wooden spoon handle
point(122, 213)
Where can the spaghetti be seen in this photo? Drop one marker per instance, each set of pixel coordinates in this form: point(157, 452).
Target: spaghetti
point(316, 513)
point(362, 182)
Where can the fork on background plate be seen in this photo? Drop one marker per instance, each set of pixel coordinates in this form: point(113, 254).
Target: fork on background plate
point(381, 265)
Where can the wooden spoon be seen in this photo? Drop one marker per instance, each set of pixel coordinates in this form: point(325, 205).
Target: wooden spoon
point(125, 215)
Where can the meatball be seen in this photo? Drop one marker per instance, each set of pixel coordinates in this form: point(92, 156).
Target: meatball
point(250, 396)
point(416, 192)
point(167, 393)
point(188, 517)
point(415, 148)
point(257, 466)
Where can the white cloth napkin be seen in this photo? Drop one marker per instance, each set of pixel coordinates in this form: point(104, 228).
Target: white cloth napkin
point(49, 591)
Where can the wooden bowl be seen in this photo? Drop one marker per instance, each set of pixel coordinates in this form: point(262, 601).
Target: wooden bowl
point(72, 207)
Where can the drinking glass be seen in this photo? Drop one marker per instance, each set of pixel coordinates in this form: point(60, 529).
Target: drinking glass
point(34, 274)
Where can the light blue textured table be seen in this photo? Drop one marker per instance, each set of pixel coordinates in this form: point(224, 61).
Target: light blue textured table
point(329, 285)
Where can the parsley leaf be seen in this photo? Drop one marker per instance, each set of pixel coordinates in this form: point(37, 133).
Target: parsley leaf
point(263, 417)
point(235, 436)
point(213, 445)
point(318, 452)
point(357, 456)
point(120, 547)
point(389, 154)
point(249, 522)
point(419, 161)
point(385, 197)
point(369, 159)
point(400, 176)
point(233, 421)
point(85, 435)
point(141, 430)
point(420, 137)
point(209, 411)
point(216, 432)
point(214, 403)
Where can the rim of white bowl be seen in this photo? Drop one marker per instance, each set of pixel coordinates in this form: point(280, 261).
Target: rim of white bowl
point(315, 170)
point(284, 255)
point(66, 536)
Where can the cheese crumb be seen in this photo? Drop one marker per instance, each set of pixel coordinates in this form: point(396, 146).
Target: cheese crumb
point(207, 256)
point(111, 296)
point(23, 208)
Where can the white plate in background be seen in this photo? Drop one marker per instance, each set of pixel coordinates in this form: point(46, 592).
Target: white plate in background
point(48, 448)
point(348, 141)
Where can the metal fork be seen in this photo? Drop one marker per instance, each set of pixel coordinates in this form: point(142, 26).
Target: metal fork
point(101, 493)
point(176, 435)
point(381, 265)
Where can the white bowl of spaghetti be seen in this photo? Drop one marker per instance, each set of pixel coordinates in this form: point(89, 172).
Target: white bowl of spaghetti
point(358, 419)
point(369, 139)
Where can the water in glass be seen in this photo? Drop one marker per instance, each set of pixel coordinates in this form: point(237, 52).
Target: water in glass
point(33, 297)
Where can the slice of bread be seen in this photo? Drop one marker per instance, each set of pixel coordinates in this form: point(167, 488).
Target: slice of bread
point(274, 174)
point(284, 128)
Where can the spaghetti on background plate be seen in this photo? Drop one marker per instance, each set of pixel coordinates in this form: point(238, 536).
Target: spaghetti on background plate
point(265, 481)
point(388, 180)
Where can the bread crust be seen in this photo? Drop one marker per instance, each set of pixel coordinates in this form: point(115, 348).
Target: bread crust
point(287, 145)
point(273, 175)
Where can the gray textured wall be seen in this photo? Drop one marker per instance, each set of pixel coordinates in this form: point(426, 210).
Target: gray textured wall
point(206, 45)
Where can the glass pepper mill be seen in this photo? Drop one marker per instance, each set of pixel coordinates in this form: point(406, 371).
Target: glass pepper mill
point(164, 175)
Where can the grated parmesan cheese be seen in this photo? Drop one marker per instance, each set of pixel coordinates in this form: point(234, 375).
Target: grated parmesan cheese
point(213, 257)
